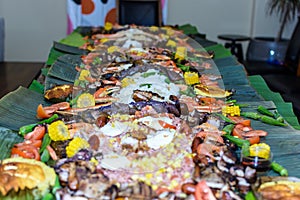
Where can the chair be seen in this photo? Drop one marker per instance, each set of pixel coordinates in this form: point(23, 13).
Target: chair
point(284, 78)
point(258, 63)
point(139, 12)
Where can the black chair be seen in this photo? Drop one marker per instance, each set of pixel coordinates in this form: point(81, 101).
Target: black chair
point(284, 78)
point(139, 12)
point(288, 80)
point(258, 62)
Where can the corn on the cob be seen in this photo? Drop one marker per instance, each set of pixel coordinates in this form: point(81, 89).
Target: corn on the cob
point(75, 145)
point(261, 150)
point(85, 100)
point(58, 131)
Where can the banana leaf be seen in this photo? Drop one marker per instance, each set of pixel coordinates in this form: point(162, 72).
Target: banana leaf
point(63, 71)
point(74, 39)
point(37, 87)
point(188, 29)
point(69, 49)
point(219, 50)
point(234, 75)
point(226, 61)
point(18, 108)
point(7, 139)
point(70, 59)
point(53, 55)
point(284, 141)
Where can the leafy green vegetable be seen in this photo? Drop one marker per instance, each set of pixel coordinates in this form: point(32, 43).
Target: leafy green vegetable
point(147, 74)
point(167, 80)
point(183, 67)
point(146, 84)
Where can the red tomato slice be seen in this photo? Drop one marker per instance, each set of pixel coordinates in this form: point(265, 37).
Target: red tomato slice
point(253, 140)
point(36, 143)
point(27, 151)
point(37, 133)
point(18, 152)
point(43, 113)
point(237, 132)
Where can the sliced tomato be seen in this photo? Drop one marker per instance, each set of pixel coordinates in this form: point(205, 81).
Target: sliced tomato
point(37, 133)
point(253, 140)
point(36, 143)
point(240, 120)
point(237, 132)
point(30, 150)
point(44, 112)
point(246, 122)
point(16, 151)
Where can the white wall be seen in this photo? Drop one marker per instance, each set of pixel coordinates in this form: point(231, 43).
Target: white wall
point(266, 25)
point(215, 17)
point(32, 25)
point(212, 17)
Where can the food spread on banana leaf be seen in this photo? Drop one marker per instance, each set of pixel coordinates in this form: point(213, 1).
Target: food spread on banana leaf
point(146, 118)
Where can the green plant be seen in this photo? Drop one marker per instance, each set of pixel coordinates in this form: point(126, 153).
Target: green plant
point(286, 9)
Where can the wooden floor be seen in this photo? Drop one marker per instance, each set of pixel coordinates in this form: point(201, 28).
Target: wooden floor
point(15, 74)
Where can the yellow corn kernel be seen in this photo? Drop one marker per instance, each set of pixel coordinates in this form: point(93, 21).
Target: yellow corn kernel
point(191, 78)
point(171, 43)
point(112, 49)
point(127, 81)
point(261, 150)
point(170, 31)
point(154, 28)
point(187, 175)
point(58, 131)
point(103, 40)
point(149, 175)
point(231, 110)
point(174, 183)
point(93, 160)
point(85, 100)
point(180, 53)
point(108, 26)
point(75, 145)
point(83, 74)
point(154, 187)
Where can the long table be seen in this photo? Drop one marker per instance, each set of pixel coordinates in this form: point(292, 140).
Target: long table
point(284, 141)
point(15, 74)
